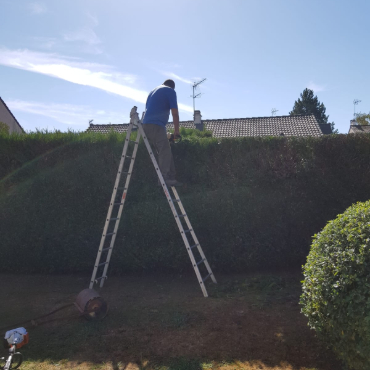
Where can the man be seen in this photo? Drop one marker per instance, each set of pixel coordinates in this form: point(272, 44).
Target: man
point(160, 102)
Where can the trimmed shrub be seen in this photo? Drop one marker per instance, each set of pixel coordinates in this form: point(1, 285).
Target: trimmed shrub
point(336, 288)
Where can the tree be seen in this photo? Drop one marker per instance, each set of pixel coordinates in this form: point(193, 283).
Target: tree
point(309, 104)
point(363, 119)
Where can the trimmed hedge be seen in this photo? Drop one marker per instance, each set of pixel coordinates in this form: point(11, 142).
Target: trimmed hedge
point(18, 149)
point(336, 289)
point(253, 202)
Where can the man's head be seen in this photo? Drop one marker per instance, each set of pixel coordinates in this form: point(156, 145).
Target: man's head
point(169, 83)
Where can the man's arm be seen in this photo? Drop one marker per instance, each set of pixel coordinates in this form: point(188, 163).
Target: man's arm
point(176, 120)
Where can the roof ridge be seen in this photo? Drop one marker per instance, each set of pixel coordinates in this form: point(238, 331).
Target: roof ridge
point(12, 115)
point(108, 124)
point(211, 119)
point(288, 115)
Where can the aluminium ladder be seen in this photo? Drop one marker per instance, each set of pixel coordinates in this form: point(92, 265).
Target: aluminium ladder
point(116, 207)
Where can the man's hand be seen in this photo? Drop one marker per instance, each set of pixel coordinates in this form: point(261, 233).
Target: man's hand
point(176, 121)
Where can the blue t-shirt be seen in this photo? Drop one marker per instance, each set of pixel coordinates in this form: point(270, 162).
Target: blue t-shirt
point(158, 105)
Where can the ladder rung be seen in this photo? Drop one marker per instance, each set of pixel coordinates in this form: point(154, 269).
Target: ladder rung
point(188, 231)
point(202, 260)
point(193, 246)
point(182, 215)
point(103, 263)
point(105, 249)
point(175, 200)
point(127, 156)
point(206, 277)
point(109, 234)
point(102, 277)
point(132, 141)
point(114, 219)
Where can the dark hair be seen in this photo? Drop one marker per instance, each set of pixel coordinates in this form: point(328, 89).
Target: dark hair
point(169, 83)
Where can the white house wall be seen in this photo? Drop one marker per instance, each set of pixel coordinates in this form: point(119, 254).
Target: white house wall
point(7, 118)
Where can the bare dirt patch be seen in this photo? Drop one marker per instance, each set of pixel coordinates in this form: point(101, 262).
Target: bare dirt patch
point(164, 323)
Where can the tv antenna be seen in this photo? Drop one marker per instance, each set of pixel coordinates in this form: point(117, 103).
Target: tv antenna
point(194, 96)
point(355, 102)
point(273, 111)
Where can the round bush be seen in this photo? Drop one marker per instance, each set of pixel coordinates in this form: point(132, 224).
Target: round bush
point(336, 288)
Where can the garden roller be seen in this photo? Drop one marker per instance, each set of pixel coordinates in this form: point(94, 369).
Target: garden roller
point(91, 305)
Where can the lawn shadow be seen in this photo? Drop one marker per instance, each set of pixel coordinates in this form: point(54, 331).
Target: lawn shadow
point(164, 323)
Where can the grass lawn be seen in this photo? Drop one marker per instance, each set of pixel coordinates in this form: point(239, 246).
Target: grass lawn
point(164, 323)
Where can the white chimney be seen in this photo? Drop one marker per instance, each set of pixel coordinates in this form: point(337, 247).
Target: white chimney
point(198, 120)
point(352, 123)
point(197, 117)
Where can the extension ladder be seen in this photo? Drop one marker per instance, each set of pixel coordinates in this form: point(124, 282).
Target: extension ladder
point(116, 208)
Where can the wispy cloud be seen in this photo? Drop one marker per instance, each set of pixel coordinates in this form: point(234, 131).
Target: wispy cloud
point(95, 75)
point(185, 108)
point(85, 34)
point(68, 114)
point(72, 70)
point(87, 38)
point(44, 42)
point(93, 19)
point(84, 39)
point(315, 87)
point(37, 8)
point(177, 77)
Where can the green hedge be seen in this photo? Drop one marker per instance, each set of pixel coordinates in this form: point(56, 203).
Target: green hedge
point(253, 202)
point(336, 289)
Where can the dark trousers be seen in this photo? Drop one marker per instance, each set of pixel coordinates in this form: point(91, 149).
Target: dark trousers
point(158, 140)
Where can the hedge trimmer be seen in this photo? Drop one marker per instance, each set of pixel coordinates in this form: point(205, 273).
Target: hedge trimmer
point(172, 138)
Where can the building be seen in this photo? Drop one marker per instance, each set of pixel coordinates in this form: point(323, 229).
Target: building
point(300, 125)
point(355, 128)
point(7, 117)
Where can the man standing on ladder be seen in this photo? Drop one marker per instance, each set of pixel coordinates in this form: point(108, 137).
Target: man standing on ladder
point(160, 102)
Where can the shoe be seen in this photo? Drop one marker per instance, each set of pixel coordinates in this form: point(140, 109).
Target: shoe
point(173, 183)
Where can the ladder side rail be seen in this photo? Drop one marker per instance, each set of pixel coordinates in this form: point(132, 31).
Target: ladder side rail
point(123, 200)
point(196, 241)
point(109, 214)
point(173, 209)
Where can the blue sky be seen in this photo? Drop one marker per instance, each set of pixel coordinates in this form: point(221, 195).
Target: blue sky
point(63, 63)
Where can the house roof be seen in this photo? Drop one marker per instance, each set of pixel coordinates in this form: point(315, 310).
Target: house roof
point(326, 128)
point(299, 125)
point(2, 101)
point(359, 129)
